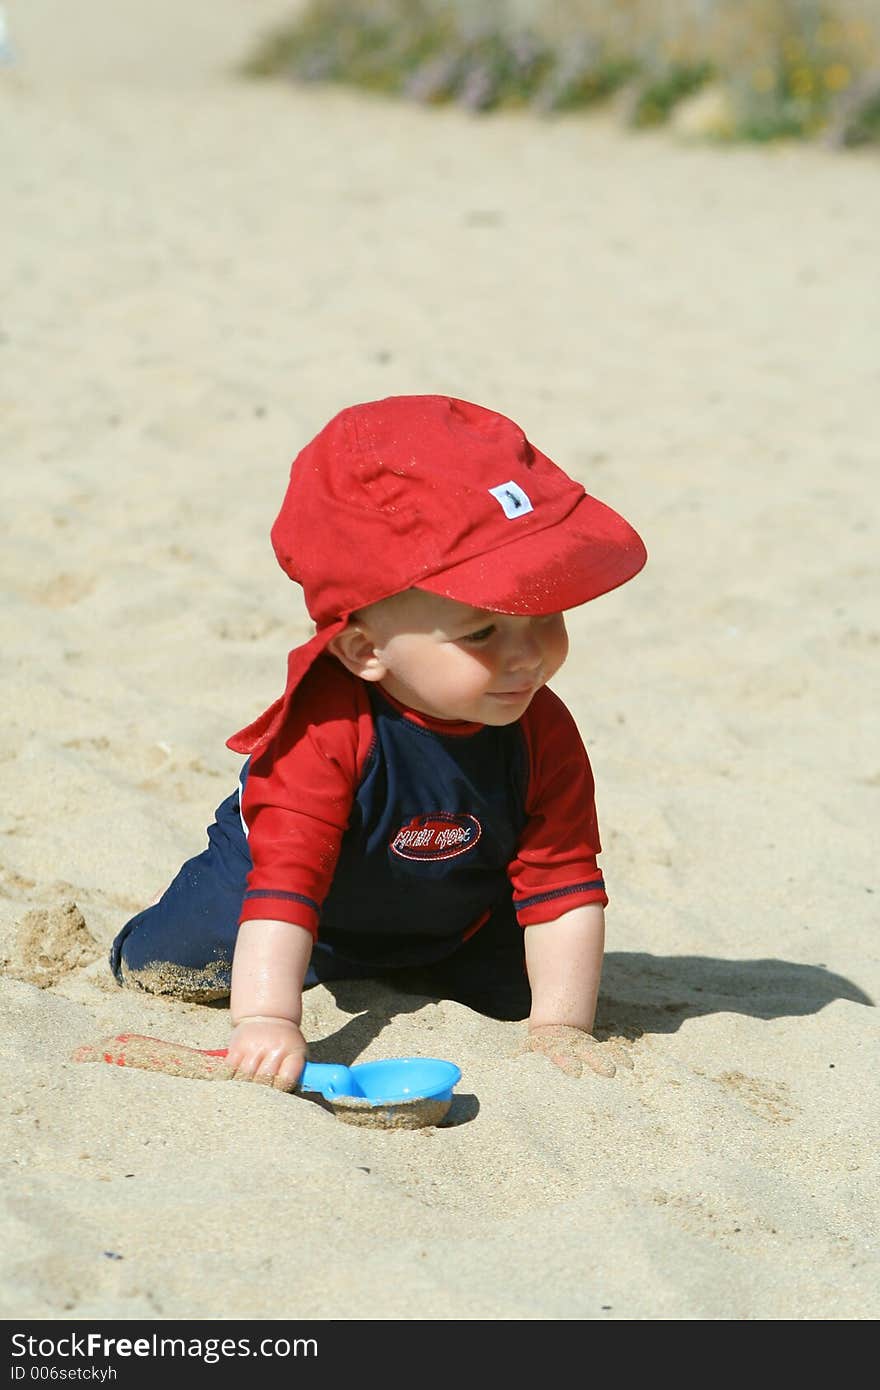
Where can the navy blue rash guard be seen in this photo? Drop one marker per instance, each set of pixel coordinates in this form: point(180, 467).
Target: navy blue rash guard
point(392, 837)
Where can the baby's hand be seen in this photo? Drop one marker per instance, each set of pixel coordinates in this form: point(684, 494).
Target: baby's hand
point(268, 1050)
point(572, 1050)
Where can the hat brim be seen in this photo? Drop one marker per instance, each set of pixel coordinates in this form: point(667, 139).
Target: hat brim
point(591, 552)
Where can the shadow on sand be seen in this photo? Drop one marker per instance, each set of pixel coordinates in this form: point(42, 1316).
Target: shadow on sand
point(640, 994)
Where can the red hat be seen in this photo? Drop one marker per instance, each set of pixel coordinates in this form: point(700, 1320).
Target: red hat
point(435, 493)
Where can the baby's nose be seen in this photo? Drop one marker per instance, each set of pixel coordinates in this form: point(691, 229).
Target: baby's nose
point(525, 652)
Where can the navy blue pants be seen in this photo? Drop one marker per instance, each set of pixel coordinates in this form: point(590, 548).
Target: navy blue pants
point(183, 944)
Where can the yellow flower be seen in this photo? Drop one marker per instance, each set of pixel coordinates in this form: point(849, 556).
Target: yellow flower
point(836, 77)
point(802, 82)
point(763, 79)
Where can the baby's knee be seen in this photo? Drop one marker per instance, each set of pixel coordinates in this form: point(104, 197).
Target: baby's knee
point(191, 985)
point(179, 947)
point(140, 958)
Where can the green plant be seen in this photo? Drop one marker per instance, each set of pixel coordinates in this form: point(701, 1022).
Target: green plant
point(660, 91)
point(784, 65)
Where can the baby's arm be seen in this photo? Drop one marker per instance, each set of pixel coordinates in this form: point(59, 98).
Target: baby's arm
point(268, 969)
point(564, 964)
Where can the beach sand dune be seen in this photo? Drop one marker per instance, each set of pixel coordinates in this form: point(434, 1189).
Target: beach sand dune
point(198, 272)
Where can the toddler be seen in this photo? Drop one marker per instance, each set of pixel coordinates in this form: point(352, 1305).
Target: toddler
point(418, 805)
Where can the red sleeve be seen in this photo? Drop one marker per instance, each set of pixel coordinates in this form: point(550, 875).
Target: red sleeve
point(298, 795)
point(555, 866)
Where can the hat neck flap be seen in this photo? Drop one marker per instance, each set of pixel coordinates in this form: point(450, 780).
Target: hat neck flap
point(254, 738)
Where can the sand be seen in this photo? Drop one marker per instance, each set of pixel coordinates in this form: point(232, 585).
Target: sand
point(197, 274)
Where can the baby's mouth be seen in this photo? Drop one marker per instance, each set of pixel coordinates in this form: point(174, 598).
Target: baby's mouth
point(516, 694)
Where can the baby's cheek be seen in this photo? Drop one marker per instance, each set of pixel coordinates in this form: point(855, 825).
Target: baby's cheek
point(554, 654)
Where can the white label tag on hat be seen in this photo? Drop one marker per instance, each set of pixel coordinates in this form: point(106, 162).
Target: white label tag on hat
point(514, 502)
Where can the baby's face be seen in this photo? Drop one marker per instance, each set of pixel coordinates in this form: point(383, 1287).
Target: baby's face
point(451, 661)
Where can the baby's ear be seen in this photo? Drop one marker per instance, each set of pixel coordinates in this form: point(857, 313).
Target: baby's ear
point(354, 648)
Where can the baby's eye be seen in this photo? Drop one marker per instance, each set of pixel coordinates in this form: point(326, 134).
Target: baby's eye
point(481, 635)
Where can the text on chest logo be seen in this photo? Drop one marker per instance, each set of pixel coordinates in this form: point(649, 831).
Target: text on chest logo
point(438, 835)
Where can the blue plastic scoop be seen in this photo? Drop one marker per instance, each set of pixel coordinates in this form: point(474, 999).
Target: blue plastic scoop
point(393, 1082)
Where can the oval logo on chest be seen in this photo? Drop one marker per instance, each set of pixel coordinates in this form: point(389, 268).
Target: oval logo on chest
point(439, 835)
